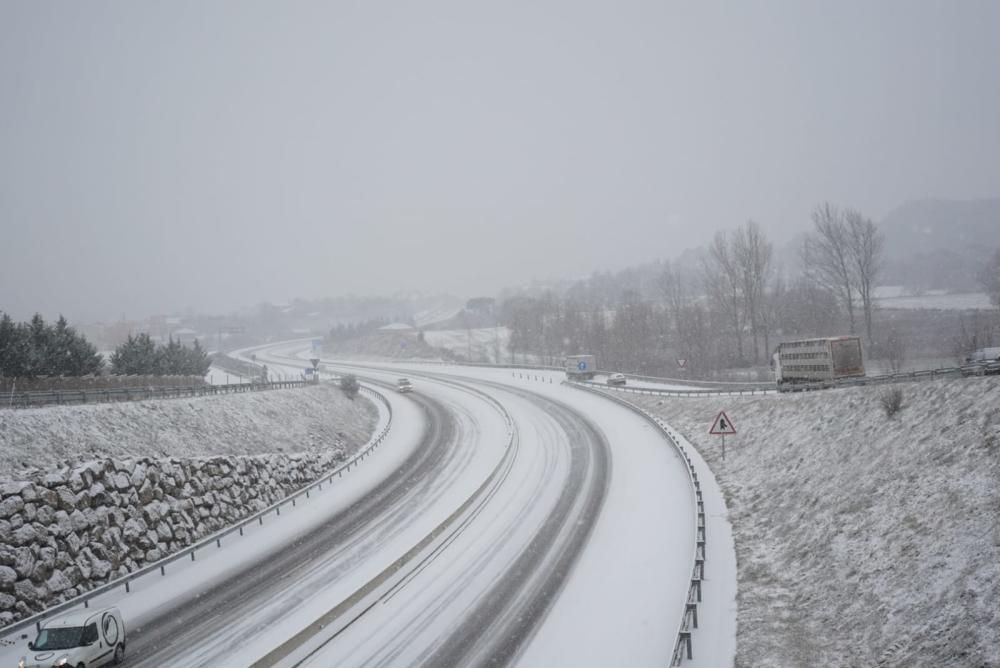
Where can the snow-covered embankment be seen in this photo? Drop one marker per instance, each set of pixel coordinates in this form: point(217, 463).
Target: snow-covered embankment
point(861, 538)
point(119, 486)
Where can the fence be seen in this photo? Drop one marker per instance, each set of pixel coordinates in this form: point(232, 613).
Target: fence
point(683, 645)
point(125, 581)
point(95, 382)
point(85, 396)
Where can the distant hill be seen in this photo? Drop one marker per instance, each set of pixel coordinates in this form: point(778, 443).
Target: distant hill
point(940, 244)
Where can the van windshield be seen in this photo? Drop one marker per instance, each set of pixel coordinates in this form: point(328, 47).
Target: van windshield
point(61, 638)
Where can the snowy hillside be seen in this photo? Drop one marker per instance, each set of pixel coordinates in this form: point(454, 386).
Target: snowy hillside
point(861, 539)
point(486, 344)
point(239, 424)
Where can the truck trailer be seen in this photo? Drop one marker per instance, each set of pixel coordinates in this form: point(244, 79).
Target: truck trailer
point(580, 367)
point(818, 360)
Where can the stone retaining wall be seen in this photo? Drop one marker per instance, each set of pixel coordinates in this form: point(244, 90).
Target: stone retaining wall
point(66, 532)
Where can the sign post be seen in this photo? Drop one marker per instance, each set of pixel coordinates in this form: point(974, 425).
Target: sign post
point(722, 426)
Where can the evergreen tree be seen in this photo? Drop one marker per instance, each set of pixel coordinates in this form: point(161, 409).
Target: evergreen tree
point(36, 348)
point(14, 348)
point(136, 356)
point(171, 359)
point(71, 354)
point(196, 361)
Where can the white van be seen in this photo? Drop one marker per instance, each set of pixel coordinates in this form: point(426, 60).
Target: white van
point(88, 638)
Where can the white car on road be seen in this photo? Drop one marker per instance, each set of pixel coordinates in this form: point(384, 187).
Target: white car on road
point(616, 379)
point(89, 638)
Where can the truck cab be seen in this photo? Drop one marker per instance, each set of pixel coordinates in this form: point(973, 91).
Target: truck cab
point(89, 638)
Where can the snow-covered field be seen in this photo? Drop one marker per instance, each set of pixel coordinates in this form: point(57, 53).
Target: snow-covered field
point(896, 297)
point(861, 539)
point(479, 345)
point(239, 424)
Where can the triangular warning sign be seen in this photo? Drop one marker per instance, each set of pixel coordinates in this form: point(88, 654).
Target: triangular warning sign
point(722, 425)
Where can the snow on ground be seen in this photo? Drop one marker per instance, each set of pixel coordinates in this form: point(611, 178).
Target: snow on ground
point(431, 316)
point(217, 376)
point(860, 538)
point(270, 421)
point(480, 345)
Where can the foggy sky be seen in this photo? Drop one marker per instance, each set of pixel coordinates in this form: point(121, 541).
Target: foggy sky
point(158, 156)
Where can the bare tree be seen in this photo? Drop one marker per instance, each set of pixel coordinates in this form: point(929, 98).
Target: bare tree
point(866, 245)
point(826, 256)
point(895, 349)
point(980, 329)
point(752, 254)
point(989, 278)
point(724, 283)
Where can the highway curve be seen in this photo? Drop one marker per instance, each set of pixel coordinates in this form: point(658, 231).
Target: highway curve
point(512, 600)
point(512, 610)
point(201, 621)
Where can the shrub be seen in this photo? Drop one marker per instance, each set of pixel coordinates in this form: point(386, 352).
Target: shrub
point(349, 384)
point(891, 400)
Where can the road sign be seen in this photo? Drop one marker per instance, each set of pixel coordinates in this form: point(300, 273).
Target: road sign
point(722, 426)
point(581, 365)
point(681, 362)
point(315, 362)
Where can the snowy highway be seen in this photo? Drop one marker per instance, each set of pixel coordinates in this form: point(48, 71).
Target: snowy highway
point(506, 520)
point(623, 592)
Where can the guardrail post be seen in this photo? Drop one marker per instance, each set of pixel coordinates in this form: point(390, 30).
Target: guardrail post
point(685, 637)
point(693, 609)
point(696, 585)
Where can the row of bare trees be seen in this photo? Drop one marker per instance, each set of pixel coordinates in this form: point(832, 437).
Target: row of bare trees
point(845, 254)
point(725, 314)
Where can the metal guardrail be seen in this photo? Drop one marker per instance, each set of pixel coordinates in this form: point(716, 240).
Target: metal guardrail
point(69, 397)
point(216, 538)
point(683, 645)
point(707, 387)
point(678, 393)
point(926, 374)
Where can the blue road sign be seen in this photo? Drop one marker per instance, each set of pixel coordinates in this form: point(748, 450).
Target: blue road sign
point(581, 365)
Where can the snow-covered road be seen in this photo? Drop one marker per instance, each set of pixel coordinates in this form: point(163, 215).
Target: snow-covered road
point(506, 520)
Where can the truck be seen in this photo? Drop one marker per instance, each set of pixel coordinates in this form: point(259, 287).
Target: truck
point(982, 362)
point(580, 367)
point(822, 360)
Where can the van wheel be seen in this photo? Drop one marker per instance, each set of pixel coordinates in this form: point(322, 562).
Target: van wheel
point(119, 654)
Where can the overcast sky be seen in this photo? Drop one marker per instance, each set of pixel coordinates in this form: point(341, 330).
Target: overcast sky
point(157, 156)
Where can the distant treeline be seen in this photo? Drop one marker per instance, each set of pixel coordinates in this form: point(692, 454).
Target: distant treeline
point(140, 355)
point(35, 349)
